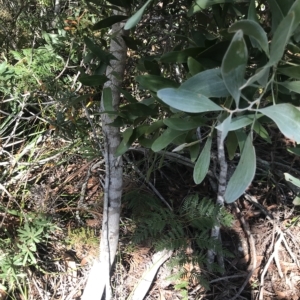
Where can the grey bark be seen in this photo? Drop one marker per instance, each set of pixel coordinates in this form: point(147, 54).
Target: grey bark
point(99, 278)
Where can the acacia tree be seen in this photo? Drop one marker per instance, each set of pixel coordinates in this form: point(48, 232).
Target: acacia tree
point(227, 93)
point(100, 274)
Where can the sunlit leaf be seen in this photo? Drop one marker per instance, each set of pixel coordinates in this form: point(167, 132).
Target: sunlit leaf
point(286, 117)
point(133, 20)
point(203, 161)
point(295, 181)
point(244, 173)
point(234, 65)
point(187, 101)
point(243, 121)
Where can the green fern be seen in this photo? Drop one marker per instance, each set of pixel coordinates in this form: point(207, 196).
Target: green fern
point(190, 224)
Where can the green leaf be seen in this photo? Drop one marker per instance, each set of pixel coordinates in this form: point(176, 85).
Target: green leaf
point(93, 80)
point(244, 173)
point(121, 3)
point(254, 30)
point(261, 75)
point(243, 121)
point(133, 20)
point(286, 117)
point(292, 179)
point(296, 201)
point(277, 14)
point(187, 101)
point(184, 124)
point(107, 99)
point(252, 15)
point(194, 66)
point(231, 144)
point(294, 150)
point(131, 42)
point(165, 139)
point(155, 83)
point(224, 128)
point(104, 56)
point(293, 72)
point(202, 164)
point(208, 83)
point(262, 132)
point(281, 38)
point(109, 22)
point(138, 109)
point(128, 139)
point(180, 56)
point(234, 65)
point(293, 86)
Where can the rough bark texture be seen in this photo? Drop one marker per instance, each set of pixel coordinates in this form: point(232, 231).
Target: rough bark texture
point(99, 278)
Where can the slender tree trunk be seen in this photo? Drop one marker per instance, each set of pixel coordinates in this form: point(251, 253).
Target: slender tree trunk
point(99, 279)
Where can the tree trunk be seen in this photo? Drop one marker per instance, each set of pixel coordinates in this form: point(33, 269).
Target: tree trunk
point(99, 278)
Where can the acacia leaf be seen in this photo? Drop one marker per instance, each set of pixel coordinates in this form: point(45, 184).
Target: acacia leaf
point(286, 117)
point(243, 174)
point(203, 161)
point(187, 101)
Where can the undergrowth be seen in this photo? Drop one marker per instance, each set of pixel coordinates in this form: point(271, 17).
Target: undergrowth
point(186, 229)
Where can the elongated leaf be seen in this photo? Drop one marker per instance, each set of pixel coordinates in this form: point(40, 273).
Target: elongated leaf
point(109, 22)
point(262, 132)
point(293, 72)
point(293, 86)
point(294, 150)
point(180, 56)
point(187, 101)
point(194, 66)
point(122, 3)
point(231, 144)
point(260, 76)
point(184, 124)
point(286, 117)
point(93, 80)
point(224, 128)
point(295, 8)
point(165, 139)
point(281, 38)
point(277, 14)
point(128, 139)
point(133, 20)
point(243, 121)
point(252, 15)
point(244, 173)
point(208, 83)
point(254, 30)
point(155, 83)
point(203, 161)
point(107, 99)
point(295, 181)
point(104, 56)
point(138, 109)
point(234, 65)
